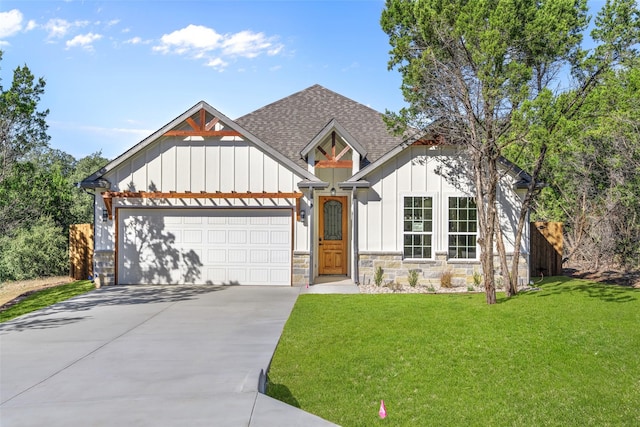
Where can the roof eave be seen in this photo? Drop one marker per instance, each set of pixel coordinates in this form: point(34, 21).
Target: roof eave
point(175, 122)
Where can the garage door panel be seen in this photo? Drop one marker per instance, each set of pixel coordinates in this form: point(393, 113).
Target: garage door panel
point(237, 237)
point(259, 256)
point(220, 246)
point(280, 237)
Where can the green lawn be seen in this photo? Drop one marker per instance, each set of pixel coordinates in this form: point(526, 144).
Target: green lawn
point(45, 298)
point(567, 355)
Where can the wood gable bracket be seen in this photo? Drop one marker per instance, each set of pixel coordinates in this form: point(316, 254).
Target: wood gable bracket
point(202, 127)
point(108, 197)
point(333, 160)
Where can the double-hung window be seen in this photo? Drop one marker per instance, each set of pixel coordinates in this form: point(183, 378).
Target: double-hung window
point(418, 227)
point(463, 227)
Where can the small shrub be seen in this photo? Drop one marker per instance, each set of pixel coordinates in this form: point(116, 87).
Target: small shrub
point(477, 278)
point(446, 279)
point(413, 277)
point(430, 288)
point(379, 274)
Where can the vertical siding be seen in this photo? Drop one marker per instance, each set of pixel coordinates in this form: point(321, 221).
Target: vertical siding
point(201, 164)
point(437, 172)
point(154, 168)
point(183, 166)
point(389, 206)
point(198, 168)
point(241, 166)
point(373, 214)
point(168, 165)
point(212, 161)
point(256, 168)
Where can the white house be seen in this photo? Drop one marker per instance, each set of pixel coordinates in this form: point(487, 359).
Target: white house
point(310, 185)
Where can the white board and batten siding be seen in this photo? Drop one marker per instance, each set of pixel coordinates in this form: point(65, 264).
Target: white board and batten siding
point(418, 171)
point(197, 165)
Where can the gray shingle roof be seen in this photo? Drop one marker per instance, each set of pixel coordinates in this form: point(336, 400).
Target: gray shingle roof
point(292, 122)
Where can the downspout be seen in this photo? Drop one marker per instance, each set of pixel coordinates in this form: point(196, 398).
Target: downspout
point(356, 261)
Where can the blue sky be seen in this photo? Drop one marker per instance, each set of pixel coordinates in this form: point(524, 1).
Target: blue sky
point(117, 71)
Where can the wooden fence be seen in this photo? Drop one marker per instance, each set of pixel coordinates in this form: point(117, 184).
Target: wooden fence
point(81, 251)
point(546, 249)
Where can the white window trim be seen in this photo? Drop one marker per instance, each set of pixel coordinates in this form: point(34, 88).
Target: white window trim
point(445, 228)
point(435, 229)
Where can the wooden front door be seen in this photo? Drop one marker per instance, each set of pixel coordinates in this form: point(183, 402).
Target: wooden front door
point(332, 236)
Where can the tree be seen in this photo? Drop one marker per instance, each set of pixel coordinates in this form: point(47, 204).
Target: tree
point(82, 208)
point(38, 250)
point(22, 127)
point(594, 177)
point(484, 75)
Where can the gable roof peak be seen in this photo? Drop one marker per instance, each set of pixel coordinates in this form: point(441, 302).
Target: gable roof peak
point(290, 123)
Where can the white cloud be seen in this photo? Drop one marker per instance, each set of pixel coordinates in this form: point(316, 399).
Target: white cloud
point(10, 23)
point(190, 40)
point(134, 40)
point(84, 41)
point(217, 63)
point(199, 42)
point(31, 25)
point(246, 44)
point(58, 28)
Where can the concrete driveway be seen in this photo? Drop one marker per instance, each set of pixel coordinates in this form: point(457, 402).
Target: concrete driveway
point(147, 356)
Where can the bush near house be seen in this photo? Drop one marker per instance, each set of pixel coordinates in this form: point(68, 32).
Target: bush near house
point(564, 355)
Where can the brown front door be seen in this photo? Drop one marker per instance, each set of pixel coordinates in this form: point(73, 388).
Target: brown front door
point(332, 237)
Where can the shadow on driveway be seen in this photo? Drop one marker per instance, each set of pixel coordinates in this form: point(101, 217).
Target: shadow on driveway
point(66, 312)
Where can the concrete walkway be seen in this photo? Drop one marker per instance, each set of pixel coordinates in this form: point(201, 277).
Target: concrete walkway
point(147, 356)
point(332, 285)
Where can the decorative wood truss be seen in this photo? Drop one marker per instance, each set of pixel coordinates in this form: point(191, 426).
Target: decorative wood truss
point(110, 195)
point(333, 160)
point(202, 127)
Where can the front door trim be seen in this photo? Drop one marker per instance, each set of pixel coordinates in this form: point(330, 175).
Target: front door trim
point(332, 254)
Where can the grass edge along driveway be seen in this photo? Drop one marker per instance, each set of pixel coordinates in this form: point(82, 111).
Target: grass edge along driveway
point(566, 355)
point(46, 297)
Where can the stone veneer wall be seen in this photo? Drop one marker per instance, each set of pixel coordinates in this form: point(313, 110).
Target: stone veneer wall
point(104, 268)
point(300, 275)
point(397, 270)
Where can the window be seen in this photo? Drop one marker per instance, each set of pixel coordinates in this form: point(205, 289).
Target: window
point(463, 227)
point(417, 227)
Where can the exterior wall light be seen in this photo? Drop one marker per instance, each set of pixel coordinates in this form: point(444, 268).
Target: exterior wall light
point(333, 191)
point(105, 215)
point(303, 214)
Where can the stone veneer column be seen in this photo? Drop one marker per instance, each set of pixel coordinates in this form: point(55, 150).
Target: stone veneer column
point(104, 268)
point(300, 276)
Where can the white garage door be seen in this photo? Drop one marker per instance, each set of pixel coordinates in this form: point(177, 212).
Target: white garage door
point(198, 246)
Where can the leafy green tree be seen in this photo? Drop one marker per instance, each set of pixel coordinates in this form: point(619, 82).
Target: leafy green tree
point(82, 208)
point(22, 127)
point(483, 74)
point(594, 176)
point(38, 250)
point(29, 192)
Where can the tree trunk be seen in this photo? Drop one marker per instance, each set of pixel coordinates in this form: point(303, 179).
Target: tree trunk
point(485, 170)
point(509, 288)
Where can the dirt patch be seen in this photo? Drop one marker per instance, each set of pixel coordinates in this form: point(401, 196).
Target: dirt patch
point(10, 291)
point(622, 278)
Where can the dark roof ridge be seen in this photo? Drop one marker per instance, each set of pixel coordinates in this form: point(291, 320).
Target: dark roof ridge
point(315, 86)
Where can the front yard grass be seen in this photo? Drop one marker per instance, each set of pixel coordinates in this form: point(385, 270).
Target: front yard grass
point(566, 355)
point(45, 298)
